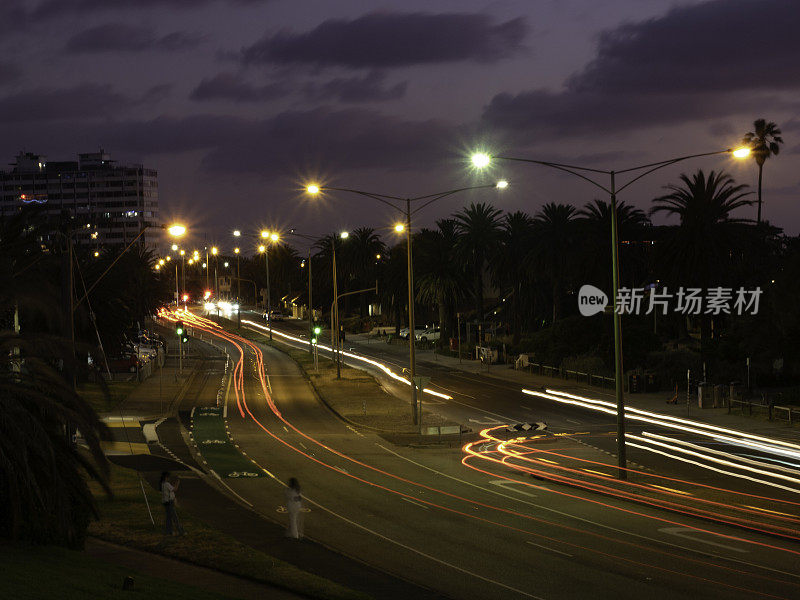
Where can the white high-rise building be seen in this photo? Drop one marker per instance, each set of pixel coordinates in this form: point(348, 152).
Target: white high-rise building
point(105, 203)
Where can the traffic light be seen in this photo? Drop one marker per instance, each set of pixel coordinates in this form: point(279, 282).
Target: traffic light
point(317, 330)
point(179, 329)
point(185, 338)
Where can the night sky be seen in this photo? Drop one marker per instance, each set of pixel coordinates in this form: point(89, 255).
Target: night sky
point(237, 103)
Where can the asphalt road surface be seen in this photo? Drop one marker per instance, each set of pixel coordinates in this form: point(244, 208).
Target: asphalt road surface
point(479, 532)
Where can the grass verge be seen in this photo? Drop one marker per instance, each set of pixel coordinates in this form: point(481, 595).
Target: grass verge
point(124, 520)
point(35, 572)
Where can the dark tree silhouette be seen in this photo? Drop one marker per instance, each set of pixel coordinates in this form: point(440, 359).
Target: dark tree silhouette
point(764, 141)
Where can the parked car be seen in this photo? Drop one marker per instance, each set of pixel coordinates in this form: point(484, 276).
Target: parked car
point(126, 362)
point(275, 316)
point(428, 335)
point(417, 332)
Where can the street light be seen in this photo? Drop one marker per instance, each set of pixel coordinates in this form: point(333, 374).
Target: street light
point(425, 200)
point(481, 160)
point(176, 230)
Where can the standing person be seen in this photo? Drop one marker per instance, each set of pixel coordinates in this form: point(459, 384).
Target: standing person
point(294, 505)
point(168, 500)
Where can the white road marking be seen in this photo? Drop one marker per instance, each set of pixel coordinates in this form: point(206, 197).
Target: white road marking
point(414, 502)
point(548, 549)
point(509, 485)
point(573, 421)
point(691, 534)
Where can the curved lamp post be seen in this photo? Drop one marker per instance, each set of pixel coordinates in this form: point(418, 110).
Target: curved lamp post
point(481, 160)
point(407, 212)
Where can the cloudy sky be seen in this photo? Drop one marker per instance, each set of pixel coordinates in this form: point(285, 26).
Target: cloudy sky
point(238, 102)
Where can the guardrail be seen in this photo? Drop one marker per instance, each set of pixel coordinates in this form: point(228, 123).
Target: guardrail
point(773, 411)
point(567, 374)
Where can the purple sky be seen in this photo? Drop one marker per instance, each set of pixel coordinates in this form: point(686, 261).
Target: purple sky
point(238, 102)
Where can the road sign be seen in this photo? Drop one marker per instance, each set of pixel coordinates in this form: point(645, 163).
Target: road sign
point(538, 426)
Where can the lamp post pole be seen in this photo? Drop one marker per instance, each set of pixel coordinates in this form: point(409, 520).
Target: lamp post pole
point(481, 160)
point(310, 307)
point(412, 357)
point(269, 300)
point(335, 315)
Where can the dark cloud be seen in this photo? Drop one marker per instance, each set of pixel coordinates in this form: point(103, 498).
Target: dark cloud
point(53, 8)
point(684, 66)
point(121, 37)
point(230, 86)
point(369, 88)
point(393, 39)
point(716, 45)
point(9, 73)
point(83, 101)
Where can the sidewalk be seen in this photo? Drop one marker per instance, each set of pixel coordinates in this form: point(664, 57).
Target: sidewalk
point(654, 402)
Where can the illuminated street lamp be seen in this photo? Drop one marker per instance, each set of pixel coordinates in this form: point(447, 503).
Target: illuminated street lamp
point(407, 212)
point(482, 160)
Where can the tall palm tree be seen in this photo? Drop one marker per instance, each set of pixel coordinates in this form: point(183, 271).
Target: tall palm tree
point(698, 251)
point(363, 248)
point(764, 141)
point(439, 277)
point(555, 244)
point(596, 234)
point(478, 229)
point(509, 268)
point(43, 491)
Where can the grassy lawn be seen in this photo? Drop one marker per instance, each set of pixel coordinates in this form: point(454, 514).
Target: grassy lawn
point(35, 572)
point(124, 520)
point(208, 430)
point(117, 392)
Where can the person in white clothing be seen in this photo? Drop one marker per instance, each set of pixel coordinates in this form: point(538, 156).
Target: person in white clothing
point(294, 506)
point(168, 500)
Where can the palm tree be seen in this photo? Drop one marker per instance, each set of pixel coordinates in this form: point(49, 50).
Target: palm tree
point(439, 278)
point(699, 250)
point(764, 141)
point(478, 229)
point(43, 491)
point(363, 249)
point(555, 244)
point(596, 233)
point(508, 267)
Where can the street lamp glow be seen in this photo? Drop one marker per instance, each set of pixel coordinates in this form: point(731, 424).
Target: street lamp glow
point(204, 265)
point(161, 261)
point(742, 152)
point(214, 250)
point(174, 247)
point(96, 254)
point(236, 251)
point(169, 258)
point(183, 252)
point(265, 234)
point(313, 189)
point(377, 257)
point(481, 160)
point(236, 233)
point(344, 235)
point(274, 237)
point(191, 261)
point(399, 228)
point(177, 230)
point(226, 264)
point(262, 248)
point(502, 184)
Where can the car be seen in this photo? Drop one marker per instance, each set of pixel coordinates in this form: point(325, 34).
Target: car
point(428, 335)
point(275, 316)
point(126, 362)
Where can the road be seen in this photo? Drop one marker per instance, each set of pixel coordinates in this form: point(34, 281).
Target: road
point(477, 533)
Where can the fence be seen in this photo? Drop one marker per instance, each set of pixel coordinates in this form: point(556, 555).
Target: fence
point(567, 374)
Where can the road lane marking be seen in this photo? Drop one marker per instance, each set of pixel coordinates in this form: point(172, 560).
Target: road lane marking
point(668, 489)
point(509, 486)
point(774, 512)
point(414, 502)
point(573, 421)
point(681, 532)
point(596, 472)
point(548, 549)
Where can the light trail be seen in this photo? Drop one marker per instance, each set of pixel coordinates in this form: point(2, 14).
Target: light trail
point(214, 329)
